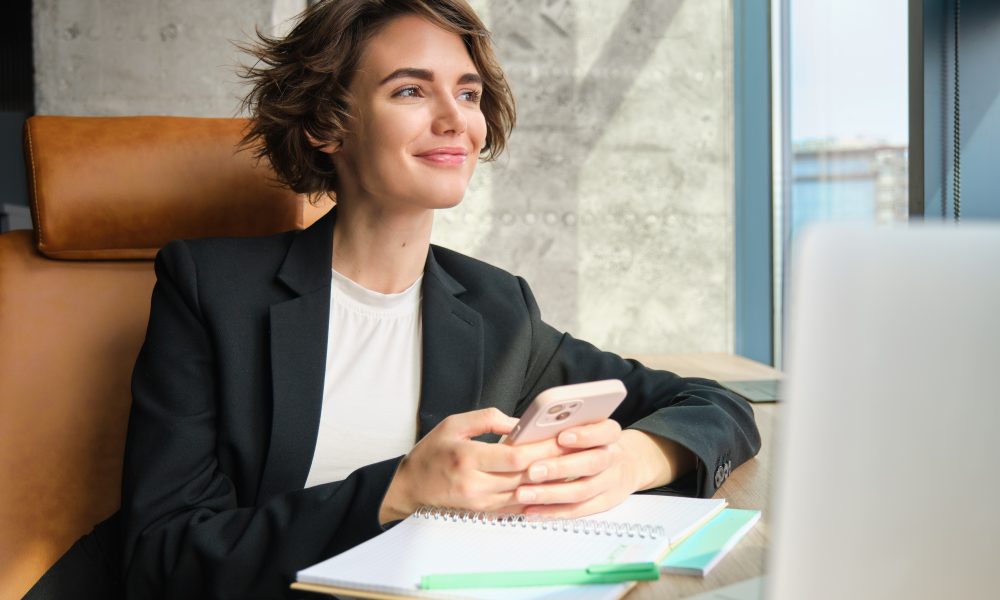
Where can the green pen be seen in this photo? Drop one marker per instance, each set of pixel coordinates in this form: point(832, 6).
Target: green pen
point(607, 573)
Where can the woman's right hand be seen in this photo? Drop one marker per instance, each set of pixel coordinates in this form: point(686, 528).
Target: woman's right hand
point(448, 468)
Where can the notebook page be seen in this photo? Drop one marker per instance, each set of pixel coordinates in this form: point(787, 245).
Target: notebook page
point(394, 561)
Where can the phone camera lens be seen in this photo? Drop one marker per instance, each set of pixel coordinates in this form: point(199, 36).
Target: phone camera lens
point(562, 416)
point(553, 410)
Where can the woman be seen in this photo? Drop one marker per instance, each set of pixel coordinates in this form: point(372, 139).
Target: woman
point(284, 380)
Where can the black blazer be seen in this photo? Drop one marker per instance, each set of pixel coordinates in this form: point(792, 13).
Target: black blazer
point(228, 387)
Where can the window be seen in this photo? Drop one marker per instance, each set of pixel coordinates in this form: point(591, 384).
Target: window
point(846, 124)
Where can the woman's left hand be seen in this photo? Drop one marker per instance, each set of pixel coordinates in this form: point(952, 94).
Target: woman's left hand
point(606, 466)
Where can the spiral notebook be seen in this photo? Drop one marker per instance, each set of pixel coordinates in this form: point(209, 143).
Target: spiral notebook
point(434, 541)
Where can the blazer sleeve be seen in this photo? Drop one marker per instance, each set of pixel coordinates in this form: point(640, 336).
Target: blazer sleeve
point(186, 535)
point(699, 414)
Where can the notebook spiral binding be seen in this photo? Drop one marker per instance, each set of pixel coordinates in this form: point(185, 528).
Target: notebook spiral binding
point(585, 526)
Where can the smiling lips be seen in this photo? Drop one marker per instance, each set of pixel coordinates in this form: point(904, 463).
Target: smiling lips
point(449, 156)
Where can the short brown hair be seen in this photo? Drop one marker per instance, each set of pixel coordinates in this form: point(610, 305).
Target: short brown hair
point(300, 82)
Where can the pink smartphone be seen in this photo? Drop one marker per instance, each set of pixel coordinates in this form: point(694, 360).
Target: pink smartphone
point(559, 408)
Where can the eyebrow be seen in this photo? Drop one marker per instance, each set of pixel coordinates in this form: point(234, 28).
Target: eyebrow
point(427, 75)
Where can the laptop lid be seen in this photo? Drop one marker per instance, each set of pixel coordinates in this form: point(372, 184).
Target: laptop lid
point(888, 483)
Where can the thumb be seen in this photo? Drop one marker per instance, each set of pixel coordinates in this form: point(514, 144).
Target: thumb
point(486, 420)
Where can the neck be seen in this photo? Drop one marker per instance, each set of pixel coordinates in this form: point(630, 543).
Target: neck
point(380, 250)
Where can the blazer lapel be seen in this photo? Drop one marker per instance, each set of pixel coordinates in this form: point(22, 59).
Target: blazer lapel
point(452, 378)
point(299, 331)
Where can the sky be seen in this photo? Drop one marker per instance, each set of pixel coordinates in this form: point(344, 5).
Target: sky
point(849, 69)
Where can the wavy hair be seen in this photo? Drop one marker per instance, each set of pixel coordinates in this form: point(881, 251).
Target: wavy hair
point(300, 83)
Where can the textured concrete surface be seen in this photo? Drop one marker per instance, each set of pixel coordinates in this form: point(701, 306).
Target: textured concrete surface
point(614, 199)
point(114, 57)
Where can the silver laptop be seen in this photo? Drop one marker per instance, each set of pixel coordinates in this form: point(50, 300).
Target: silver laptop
point(888, 470)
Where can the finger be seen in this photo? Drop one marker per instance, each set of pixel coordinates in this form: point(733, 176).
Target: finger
point(496, 483)
point(477, 422)
point(573, 492)
point(472, 482)
point(584, 463)
point(501, 458)
point(601, 433)
point(512, 509)
point(497, 502)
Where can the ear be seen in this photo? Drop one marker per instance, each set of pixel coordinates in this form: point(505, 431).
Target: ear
point(328, 147)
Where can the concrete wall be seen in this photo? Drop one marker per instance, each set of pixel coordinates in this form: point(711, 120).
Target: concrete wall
point(615, 197)
point(116, 57)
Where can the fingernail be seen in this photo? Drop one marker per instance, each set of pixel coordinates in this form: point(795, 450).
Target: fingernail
point(538, 472)
point(525, 496)
point(569, 438)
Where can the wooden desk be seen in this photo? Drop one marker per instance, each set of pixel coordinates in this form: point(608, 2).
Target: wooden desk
point(747, 487)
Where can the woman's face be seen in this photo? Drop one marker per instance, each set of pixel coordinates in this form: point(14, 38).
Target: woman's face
point(417, 129)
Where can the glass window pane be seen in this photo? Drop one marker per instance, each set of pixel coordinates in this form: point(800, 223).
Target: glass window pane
point(848, 111)
point(847, 115)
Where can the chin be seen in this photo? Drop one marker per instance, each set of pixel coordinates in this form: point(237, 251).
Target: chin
point(444, 197)
point(442, 204)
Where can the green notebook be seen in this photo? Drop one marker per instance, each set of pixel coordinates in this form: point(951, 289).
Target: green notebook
point(699, 553)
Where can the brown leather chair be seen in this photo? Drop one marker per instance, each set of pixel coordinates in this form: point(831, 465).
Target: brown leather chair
point(106, 193)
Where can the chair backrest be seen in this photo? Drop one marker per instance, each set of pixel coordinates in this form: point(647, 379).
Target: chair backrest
point(74, 300)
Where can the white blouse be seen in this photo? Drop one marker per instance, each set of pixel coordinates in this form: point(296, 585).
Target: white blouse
point(372, 386)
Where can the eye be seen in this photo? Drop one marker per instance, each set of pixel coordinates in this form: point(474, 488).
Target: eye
point(410, 91)
point(471, 96)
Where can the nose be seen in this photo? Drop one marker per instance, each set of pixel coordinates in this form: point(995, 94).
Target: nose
point(449, 118)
